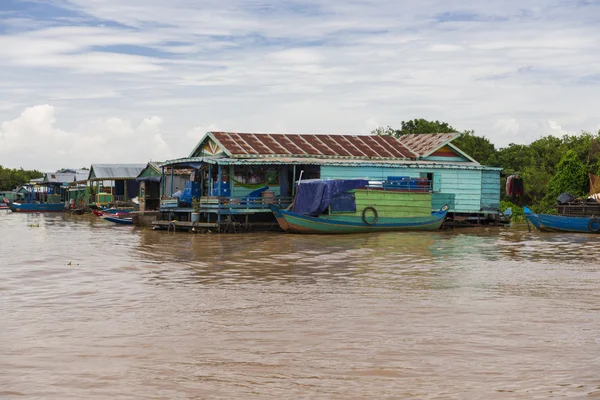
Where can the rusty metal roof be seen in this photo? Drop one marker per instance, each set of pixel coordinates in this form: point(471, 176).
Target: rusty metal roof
point(425, 144)
point(253, 145)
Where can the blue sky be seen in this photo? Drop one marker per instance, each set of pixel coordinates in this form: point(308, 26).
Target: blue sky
point(154, 75)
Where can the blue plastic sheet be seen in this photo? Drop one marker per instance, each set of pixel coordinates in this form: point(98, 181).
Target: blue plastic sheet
point(343, 202)
point(314, 196)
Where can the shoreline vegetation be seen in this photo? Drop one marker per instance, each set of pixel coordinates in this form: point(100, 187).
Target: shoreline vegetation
point(549, 165)
point(10, 178)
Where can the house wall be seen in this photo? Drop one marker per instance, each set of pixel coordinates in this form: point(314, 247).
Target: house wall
point(490, 190)
point(461, 189)
point(239, 191)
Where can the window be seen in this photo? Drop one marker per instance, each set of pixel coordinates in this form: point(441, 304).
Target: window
point(251, 176)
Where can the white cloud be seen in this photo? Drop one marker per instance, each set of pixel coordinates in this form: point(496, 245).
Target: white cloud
point(34, 139)
point(504, 69)
point(556, 129)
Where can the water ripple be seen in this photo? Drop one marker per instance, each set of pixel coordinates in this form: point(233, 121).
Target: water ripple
point(92, 310)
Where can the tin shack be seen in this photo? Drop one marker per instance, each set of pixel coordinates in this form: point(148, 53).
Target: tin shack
point(113, 183)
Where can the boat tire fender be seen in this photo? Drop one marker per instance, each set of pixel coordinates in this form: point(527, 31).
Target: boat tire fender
point(172, 226)
point(364, 215)
point(594, 225)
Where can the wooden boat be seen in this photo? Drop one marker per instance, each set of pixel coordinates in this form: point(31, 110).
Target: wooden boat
point(298, 223)
point(561, 223)
point(117, 210)
point(358, 205)
point(119, 220)
point(36, 207)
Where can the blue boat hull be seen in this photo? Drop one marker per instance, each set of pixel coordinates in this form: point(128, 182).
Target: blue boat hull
point(297, 223)
point(557, 223)
point(122, 221)
point(33, 207)
point(116, 211)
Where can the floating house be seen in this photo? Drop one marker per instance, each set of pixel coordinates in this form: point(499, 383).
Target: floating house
point(230, 175)
point(149, 187)
point(113, 183)
point(56, 184)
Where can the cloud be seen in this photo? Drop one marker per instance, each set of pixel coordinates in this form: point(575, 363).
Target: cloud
point(34, 139)
point(556, 129)
point(503, 69)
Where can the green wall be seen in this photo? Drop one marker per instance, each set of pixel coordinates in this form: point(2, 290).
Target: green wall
point(461, 189)
point(392, 203)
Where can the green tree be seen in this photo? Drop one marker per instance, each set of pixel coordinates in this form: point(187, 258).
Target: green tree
point(11, 178)
point(478, 147)
point(418, 125)
point(571, 177)
point(421, 125)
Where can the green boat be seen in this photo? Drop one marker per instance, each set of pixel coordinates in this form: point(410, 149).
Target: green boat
point(358, 206)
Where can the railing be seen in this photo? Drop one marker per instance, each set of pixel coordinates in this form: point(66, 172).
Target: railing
point(226, 204)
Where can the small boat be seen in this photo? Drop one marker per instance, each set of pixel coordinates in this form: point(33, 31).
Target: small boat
point(117, 210)
point(119, 220)
point(561, 223)
point(358, 206)
point(36, 207)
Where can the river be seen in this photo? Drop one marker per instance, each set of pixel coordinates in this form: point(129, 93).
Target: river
point(92, 310)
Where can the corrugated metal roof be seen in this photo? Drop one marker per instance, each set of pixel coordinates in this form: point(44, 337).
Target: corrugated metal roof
point(115, 171)
point(191, 161)
point(66, 176)
point(425, 144)
point(254, 145)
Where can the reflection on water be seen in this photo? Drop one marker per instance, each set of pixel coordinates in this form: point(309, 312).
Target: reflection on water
point(89, 309)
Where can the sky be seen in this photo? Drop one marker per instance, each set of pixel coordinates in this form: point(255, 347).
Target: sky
point(127, 81)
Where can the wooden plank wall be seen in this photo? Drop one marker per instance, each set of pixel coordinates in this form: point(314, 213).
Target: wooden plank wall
point(461, 189)
point(490, 190)
point(392, 203)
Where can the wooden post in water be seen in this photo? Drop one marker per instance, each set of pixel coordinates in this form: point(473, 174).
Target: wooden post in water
point(220, 182)
point(172, 180)
point(209, 189)
point(294, 182)
point(162, 180)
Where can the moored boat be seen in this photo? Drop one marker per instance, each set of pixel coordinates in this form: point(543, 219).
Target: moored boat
point(36, 207)
point(119, 220)
point(560, 223)
point(298, 223)
point(355, 206)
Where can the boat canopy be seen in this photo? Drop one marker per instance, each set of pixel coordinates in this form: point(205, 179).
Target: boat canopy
point(315, 195)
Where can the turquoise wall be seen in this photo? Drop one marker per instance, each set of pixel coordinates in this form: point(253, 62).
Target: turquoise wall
point(461, 189)
point(490, 190)
point(239, 191)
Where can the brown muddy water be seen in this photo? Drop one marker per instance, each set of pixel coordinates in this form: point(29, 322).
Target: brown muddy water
point(91, 310)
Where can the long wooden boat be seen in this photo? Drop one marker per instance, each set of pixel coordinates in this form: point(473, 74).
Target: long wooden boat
point(36, 207)
point(560, 223)
point(118, 220)
point(331, 223)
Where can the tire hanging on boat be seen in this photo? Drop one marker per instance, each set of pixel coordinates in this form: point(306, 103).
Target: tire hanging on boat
point(364, 215)
point(594, 225)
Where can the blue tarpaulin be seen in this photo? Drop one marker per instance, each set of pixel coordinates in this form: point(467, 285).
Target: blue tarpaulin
point(343, 202)
point(315, 195)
